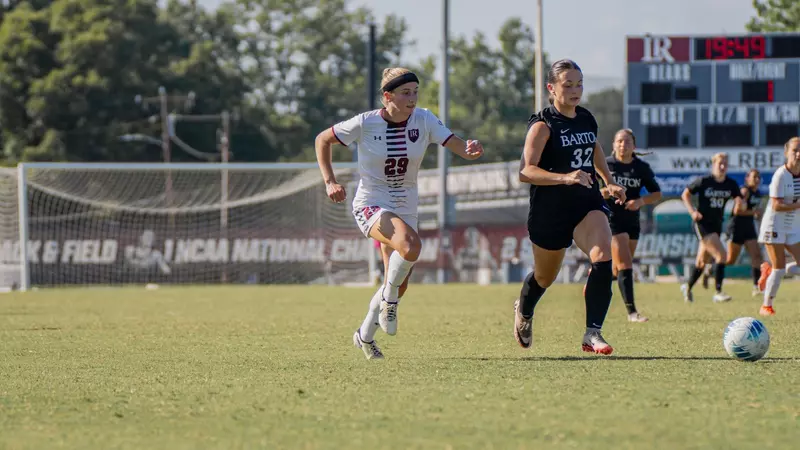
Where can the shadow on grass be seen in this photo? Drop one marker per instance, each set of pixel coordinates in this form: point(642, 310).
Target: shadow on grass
point(620, 358)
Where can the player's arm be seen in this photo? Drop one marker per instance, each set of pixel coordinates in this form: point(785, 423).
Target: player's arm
point(652, 186)
point(740, 204)
point(601, 167)
point(529, 170)
point(323, 147)
point(781, 205)
point(777, 196)
point(466, 149)
point(686, 196)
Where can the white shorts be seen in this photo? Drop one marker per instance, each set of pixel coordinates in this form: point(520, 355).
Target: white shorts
point(767, 235)
point(367, 216)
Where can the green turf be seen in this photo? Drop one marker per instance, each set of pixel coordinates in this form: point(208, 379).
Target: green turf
point(264, 367)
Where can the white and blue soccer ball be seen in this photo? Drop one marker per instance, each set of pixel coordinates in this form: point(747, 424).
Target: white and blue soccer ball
point(746, 339)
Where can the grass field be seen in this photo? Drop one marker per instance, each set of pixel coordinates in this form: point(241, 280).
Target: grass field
point(274, 367)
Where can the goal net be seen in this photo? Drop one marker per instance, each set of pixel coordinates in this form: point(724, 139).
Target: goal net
point(116, 224)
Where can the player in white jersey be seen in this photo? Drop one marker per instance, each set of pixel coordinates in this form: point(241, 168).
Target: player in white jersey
point(780, 227)
point(391, 145)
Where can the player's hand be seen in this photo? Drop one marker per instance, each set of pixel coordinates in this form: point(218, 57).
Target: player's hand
point(578, 177)
point(757, 215)
point(474, 150)
point(618, 192)
point(604, 193)
point(696, 216)
point(634, 205)
point(335, 192)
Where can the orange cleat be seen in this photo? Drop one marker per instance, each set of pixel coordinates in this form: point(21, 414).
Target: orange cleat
point(767, 311)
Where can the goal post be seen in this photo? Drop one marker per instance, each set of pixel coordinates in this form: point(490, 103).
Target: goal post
point(183, 223)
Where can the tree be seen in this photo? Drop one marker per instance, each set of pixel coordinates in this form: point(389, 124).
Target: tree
point(775, 15)
point(69, 73)
point(491, 91)
point(306, 66)
point(606, 106)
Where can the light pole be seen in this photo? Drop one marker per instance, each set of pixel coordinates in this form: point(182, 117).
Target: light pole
point(444, 96)
point(538, 88)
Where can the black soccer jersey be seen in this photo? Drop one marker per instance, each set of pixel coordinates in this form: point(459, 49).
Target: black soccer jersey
point(751, 203)
point(569, 148)
point(712, 196)
point(633, 177)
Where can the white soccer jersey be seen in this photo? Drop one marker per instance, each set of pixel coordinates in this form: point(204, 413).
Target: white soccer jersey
point(786, 186)
point(389, 156)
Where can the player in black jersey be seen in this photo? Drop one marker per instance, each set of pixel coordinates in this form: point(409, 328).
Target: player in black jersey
point(560, 161)
point(742, 226)
point(633, 174)
point(712, 191)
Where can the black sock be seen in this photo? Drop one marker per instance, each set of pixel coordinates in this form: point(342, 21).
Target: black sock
point(719, 275)
point(626, 289)
point(598, 294)
point(530, 295)
point(756, 275)
point(698, 271)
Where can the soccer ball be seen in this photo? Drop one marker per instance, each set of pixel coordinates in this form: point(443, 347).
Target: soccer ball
point(746, 339)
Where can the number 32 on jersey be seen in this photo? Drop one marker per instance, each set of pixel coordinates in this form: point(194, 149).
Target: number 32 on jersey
point(582, 157)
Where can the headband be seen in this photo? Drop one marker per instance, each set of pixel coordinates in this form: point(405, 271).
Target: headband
point(399, 81)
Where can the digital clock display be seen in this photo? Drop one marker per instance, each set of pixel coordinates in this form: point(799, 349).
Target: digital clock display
point(749, 47)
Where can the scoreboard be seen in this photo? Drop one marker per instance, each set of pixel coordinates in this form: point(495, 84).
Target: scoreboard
point(713, 93)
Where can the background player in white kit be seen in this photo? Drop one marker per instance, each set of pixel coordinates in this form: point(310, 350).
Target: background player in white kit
point(780, 227)
point(391, 145)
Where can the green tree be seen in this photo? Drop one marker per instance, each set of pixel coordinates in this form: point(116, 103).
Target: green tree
point(306, 66)
point(775, 15)
point(491, 91)
point(606, 106)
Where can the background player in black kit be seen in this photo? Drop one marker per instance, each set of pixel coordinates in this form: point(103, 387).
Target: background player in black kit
point(712, 191)
point(742, 226)
point(559, 160)
point(633, 174)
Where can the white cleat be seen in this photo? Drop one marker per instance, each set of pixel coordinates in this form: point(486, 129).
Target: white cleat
point(371, 350)
point(721, 297)
point(687, 293)
point(593, 342)
point(388, 317)
point(757, 292)
point(636, 317)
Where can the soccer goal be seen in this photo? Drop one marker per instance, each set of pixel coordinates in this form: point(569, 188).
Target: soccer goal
point(131, 223)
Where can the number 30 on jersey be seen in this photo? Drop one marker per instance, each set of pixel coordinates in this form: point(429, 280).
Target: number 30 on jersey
point(582, 157)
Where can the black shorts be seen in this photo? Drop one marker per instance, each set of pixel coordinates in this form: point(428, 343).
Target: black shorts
point(620, 225)
point(741, 231)
point(705, 228)
point(551, 223)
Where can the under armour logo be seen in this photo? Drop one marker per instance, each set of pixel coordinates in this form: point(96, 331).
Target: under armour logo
point(377, 138)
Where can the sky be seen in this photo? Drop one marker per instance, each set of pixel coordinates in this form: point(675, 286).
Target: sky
point(591, 32)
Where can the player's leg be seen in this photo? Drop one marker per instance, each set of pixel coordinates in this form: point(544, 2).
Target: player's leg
point(550, 241)
point(623, 263)
point(593, 236)
point(699, 266)
point(714, 246)
point(401, 237)
point(754, 251)
point(777, 256)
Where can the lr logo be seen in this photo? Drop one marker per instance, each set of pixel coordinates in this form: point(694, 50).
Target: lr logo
point(656, 49)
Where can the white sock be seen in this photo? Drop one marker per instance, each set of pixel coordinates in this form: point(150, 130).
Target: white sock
point(370, 324)
point(792, 268)
point(398, 271)
point(773, 283)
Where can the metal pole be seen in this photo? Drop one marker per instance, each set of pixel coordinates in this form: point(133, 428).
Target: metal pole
point(372, 85)
point(539, 99)
point(444, 95)
point(224, 148)
point(165, 150)
point(22, 205)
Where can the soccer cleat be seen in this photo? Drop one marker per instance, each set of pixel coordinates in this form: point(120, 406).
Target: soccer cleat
point(766, 269)
point(756, 291)
point(371, 350)
point(636, 317)
point(388, 317)
point(687, 293)
point(766, 311)
point(523, 328)
point(593, 342)
point(721, 297)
